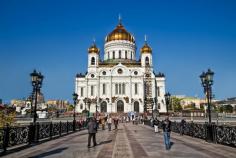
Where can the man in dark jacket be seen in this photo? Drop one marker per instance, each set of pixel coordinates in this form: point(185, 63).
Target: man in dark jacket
point(166, 125)
point(92, 130)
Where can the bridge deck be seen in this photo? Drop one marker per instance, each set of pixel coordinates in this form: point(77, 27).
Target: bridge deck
point(129, 141)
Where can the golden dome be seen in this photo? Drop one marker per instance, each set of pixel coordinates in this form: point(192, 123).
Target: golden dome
point(93, 49)
point(120, 33)
point(146, 48)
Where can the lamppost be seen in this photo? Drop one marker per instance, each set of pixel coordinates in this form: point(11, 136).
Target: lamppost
point(207, 82)
point(37, 80)
point(75, 97)
point(167, 98)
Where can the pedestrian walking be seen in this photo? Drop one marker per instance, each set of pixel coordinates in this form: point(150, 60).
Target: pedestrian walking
point(182, 126)
point(116, 121)
point(92, 130)
point(156, 123)
point(109, 122)
point(103, 121)
point(166, 125)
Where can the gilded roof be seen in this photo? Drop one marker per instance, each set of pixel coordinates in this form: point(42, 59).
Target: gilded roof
point(119, 33)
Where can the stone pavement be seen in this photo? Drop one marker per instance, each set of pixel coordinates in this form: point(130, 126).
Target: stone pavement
point(129, 141)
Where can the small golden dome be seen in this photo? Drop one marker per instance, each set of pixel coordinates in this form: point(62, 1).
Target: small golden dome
point(93, 49)
point(146, 48)
point(119, 33)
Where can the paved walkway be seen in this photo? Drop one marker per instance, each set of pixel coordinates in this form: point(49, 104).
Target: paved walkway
point(129, 141)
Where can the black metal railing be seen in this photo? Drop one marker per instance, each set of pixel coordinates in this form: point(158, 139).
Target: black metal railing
point(220, 134)
point(14, 137)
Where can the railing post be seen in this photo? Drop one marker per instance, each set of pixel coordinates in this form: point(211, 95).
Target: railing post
point(209, 132)
point(37, 132)
point(74, 125)
point(31, 133)
point(6, 138)
point(60, 128)
point(51, 130)
point(192, 129)
point(67, 127)
point(214, 133)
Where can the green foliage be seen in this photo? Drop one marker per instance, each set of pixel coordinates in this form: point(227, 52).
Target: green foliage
point(190, 107)
point(175, 103)
point(52, 109)
point(228, 108)
point(220, 109)
point(70, 107)
point(202, 107)
point(6, 118)
point(225, 108)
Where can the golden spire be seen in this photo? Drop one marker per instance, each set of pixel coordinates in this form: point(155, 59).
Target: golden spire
point(146, 48)
point(119, 18)
point(93, 48)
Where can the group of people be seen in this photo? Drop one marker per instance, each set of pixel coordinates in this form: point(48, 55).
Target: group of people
point(165, 125)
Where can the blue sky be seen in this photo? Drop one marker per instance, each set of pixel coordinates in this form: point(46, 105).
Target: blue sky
point(52, 36)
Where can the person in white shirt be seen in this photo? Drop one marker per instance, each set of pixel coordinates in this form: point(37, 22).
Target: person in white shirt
point(109, 122)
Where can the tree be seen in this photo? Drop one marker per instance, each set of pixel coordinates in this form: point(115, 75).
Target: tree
point(176, 104)
point(70, 107)
point(6, 118)
point(228, 108)
point(220, 109)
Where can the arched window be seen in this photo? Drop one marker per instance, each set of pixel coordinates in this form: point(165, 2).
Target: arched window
point(104, 106)
point(147, 61)
point(113, 55)
point(136, 106)
point(126, 54)
point(119, 54)
point(120, 106)
point(81, 106)
point(108, 55)
point(131, 55)
point(92, 61)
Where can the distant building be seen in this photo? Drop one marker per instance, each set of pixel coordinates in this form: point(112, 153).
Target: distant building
point(18, 103)
point(188, 102)
point(59, 104)
point(228, 101)
point(120, 83)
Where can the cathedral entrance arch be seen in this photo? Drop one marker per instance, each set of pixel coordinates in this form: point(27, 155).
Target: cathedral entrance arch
point(120, 106)
point(104, 106)
point(136, 106)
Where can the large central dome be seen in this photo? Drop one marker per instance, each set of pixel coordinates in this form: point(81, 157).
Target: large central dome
point(119, 33)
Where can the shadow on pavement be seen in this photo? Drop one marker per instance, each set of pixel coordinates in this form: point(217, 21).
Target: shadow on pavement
point(105, 142)
point(171, 144)
point(56, 151)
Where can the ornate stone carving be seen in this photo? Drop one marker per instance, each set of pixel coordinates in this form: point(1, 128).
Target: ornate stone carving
point(126, 99)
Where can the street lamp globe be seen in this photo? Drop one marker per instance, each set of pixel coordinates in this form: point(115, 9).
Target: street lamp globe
point(40, 79)
point(75, 96)
point(34, 77)
point(209, 76)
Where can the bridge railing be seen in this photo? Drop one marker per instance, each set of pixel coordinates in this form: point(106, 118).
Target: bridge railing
point(220, 134)
point(15, 137)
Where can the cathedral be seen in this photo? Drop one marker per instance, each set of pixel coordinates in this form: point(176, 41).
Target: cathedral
point(120, 83)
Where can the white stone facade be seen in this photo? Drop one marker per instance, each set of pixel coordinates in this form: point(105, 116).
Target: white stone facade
point(116, 84)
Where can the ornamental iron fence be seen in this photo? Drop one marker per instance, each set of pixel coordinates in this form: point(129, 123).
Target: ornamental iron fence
point(15, 137)
point(220, 134)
